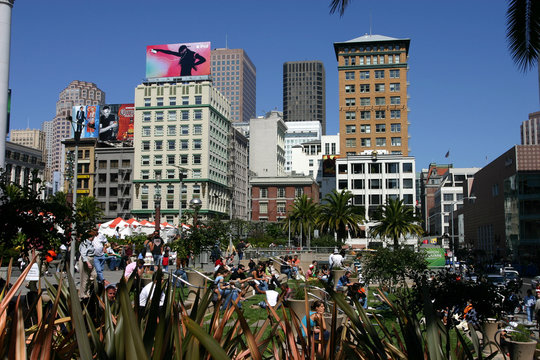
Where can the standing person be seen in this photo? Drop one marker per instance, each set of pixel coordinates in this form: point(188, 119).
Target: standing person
point(81, 117)
point(165, 260)
point(530, 302)
point(155, 245)
point(86, 267)
point(188, 59)
point(335, 260)
point(240, 247)
point(107, 125)
point(99, 242)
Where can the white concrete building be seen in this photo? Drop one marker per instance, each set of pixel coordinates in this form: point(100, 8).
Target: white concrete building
point(180, 128)
point(375, 177)
point(299, 132)
point(267, 145)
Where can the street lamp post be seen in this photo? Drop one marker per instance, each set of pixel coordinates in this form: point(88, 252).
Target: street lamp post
point(181, 178)
point(157, 202)
point(196, 205)
point(454, 254)
point(77, 137)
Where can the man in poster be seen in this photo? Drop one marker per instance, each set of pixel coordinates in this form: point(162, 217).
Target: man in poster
point(80, 119)
point(107, 125)
point(188, 59)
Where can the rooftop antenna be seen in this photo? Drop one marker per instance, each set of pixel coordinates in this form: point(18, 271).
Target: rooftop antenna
point(370, 24)
point(226, 41)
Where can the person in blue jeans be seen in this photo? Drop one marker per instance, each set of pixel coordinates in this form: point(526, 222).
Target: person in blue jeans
point(530, 302)
point(228, 292)
point(99, 242)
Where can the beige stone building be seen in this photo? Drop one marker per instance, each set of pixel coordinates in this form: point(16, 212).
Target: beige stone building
point(373, 113)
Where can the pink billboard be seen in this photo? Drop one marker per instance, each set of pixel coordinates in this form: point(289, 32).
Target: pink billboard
point(178, 60)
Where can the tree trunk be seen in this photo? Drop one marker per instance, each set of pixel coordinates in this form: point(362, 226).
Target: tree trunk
point(396, 243)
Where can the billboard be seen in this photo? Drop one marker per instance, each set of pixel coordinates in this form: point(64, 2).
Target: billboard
point(329, 165)
point(116, 122)
point(86, 121)
point(178, 60)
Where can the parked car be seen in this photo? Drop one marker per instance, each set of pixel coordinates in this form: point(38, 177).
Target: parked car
point(512, 275)
point(497, 280)
point(470, 277)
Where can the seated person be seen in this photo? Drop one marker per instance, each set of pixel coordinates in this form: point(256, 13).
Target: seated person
point(147, 293)
point(226, 291)
point(113, 258)
point(251, 265)
point(286, 267)
point(131, 266)
point(239, 277)
point(271, 298)
point(317, 323)
point(179, 273)
point(344, 282)
point(324, 274)
point(259, 283)
point(286, 293)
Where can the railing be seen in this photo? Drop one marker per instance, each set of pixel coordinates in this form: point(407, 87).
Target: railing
point(256, 253)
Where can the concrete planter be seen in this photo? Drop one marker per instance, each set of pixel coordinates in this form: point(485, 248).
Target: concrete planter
point(522, 350)
point(489, 329)
point(299, 307)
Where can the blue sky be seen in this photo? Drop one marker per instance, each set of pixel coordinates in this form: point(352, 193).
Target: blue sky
point(466, 95)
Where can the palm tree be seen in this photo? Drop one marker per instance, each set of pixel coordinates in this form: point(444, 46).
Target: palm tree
point(523, 32)
point(395, 220)
point(88, 212)
point(303, 215)
point(337, 214)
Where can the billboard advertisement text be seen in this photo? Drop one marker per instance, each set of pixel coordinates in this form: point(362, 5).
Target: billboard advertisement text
point(86, 121)
point(178, 60)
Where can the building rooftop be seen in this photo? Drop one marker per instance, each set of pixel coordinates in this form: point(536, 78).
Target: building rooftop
point(367, 38)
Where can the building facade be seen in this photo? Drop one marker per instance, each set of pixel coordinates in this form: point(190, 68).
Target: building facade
point(299, 133)
point(267, 145)
point(272, 197)
point(304, 92)
point(180, 128)
point(23, 163)
point(86, 166)
point(76, 93)
point(235, 76)
point(530, 130)
point(503, 220)
point(239, 175)
point(374, 178)
point(30, 137)
point(113, 180)
point(373, 112)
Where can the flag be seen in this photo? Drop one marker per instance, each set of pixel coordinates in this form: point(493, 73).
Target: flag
point(447, 154)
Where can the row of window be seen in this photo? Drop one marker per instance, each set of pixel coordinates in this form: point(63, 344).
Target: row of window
point(365, 88)
point(377, 184)
point(369, 60)
point(184, 100)
point(281, 208)
point(376, 199)
point(159, 130)
point(366, 129)
point(371, 48)
point(366, 74)
point(158, 160)
point(376, 168)
point(171, 145)
point(366, 101)
point(379, 114)
point(171, 115)
point(366, 142)
point(263, 192)
point(102, 164)
point(145, 174)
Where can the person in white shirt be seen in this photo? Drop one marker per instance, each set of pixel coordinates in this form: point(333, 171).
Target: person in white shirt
point(271, 297)
point(99, 243)
point(335, 260)
point(147, 293)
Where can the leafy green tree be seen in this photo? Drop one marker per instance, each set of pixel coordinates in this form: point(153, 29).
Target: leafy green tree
point(523, 32)
point(395, 220)
point(390, 267)
point(87, 215)
point(337, 214)
point(28, 221)
point(303, 216)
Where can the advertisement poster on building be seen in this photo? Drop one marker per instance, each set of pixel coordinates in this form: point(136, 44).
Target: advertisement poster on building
point(86, 121)
point(116, 122)
point(178, 60)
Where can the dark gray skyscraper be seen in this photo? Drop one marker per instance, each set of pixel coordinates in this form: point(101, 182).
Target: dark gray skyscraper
point(304, 92)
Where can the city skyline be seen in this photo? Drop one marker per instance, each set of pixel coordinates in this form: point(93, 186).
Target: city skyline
point(467, 97)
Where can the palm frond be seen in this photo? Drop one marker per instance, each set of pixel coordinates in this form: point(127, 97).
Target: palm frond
point(523, 32)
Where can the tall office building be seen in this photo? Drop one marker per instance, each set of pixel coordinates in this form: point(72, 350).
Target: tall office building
point(30, 137)
point(373, 113)
point(530, 130)
point(304, 92)
point(180, 128)
point(235, 76)
point(267, 145)
point(76, 93)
